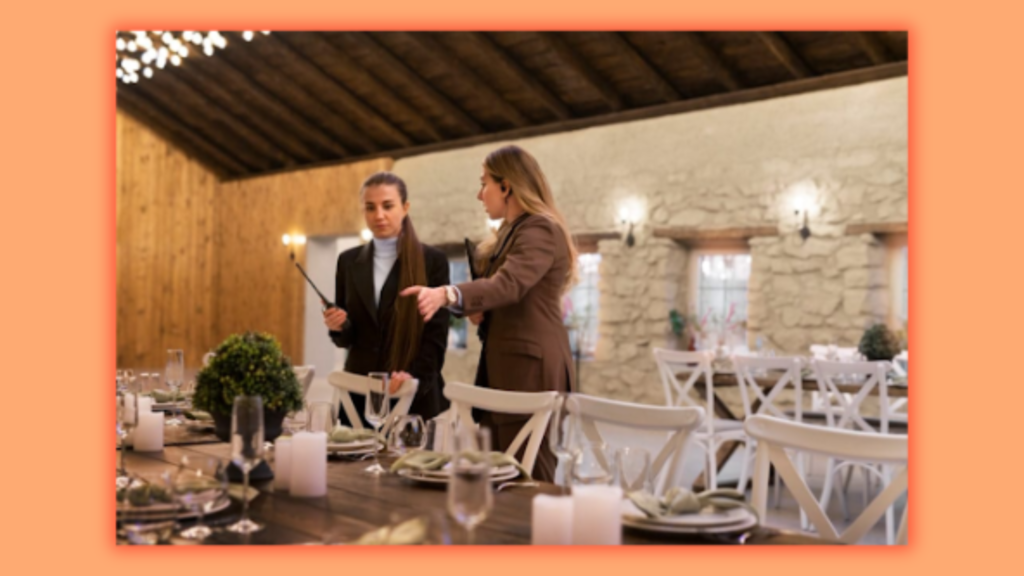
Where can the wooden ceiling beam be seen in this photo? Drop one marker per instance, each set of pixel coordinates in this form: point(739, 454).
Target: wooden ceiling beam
point(871, 46)
point(644, 67)
point(298, 98)
point(343, 69)
point(221, 162)
point(711, 61)
point(500, 59)
point(569, 58)
point(281, 120)
point(385, 59)
point(785, 54)
point(195, 110)
point(328, 90)
point(427, 45)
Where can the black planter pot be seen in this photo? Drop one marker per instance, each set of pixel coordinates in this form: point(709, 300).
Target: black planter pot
point(272, 423)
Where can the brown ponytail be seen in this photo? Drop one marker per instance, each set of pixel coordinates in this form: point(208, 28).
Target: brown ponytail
point(406, 324)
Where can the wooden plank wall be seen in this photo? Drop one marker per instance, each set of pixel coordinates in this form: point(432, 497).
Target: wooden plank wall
point(199, 259)
point(166, 269)
point(259, 287)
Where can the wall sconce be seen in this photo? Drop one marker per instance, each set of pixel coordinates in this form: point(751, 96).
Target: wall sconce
point(366, 235)
point(805, 231)
point(629, 216)
point(803, 200)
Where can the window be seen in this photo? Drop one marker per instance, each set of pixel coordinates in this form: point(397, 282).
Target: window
point(719, 294)
point(457, 329)
point(580, 307)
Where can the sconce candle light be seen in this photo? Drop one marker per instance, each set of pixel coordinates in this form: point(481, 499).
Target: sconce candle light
point(629, 215)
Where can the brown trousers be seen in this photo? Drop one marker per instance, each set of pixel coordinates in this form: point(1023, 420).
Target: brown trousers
point(502, 436)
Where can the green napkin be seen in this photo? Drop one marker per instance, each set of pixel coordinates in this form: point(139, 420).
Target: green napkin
point(144, 494)
point(409, 532)
point(342, 434)
point(162, 396)
point(424, 460)
point(677, 501)
point(237, 491)
point(198, 415)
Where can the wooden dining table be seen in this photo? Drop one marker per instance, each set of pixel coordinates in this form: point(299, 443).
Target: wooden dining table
point(357, 503)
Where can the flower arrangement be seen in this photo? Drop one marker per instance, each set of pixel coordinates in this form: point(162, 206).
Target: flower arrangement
point(251, 364)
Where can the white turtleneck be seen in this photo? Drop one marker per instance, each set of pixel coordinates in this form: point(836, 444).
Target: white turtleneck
point(385, 253)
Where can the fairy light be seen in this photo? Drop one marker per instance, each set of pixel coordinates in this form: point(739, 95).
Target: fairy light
point(141, 53)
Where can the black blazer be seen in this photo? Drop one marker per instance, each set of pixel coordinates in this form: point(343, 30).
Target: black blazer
point(366, 332)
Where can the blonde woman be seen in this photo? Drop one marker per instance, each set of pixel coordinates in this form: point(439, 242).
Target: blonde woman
point(525, 271)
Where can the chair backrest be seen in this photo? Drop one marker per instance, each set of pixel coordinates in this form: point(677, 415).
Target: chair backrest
point(305, 375)
point(776, 436)
point(865, 377)
point(754, 373)
point(669, 426)
point(345, 383)
point(680, 372)
point(821, 352)
point(900, 363)
point(465, 397)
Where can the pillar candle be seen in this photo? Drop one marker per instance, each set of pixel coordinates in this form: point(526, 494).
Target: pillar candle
point(309, 464)
point(551, 522)
point(596, 515)
point(282, 463)
point(149, 434)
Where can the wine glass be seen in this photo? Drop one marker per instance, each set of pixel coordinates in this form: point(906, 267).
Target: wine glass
point(561, 436)
point(592, 464)
point(200, 482)
point(633, 469)
point(409, 434)
point(174, 376)
point(127, 417)
point(378, 406)
point(321, 417)
point(246, 451)
point(469, 488)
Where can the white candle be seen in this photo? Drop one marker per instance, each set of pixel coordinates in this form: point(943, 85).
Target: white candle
point(596, 515)
point(551, 522)
point(145, 404)
point(282, 463)
point(149, 435)
point(309, 464)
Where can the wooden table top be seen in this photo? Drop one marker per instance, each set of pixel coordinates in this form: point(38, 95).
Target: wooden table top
point(357, 503)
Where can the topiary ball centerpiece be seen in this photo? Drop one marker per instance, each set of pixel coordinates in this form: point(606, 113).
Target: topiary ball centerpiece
point(249, 364)
point(879, 343)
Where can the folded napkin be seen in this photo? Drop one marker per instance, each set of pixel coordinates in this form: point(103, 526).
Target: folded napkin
point(409, 532)
point(162, 396)
point(342, 434)
point(197, 415)
point(677, 501)
point(424, 460)
point(144, 494)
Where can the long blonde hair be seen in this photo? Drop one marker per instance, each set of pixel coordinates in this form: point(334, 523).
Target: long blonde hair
point(521, 171)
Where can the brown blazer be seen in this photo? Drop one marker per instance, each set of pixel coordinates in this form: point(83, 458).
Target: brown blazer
point(527, 348)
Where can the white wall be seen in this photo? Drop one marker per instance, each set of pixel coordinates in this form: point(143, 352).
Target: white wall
point(321, 261)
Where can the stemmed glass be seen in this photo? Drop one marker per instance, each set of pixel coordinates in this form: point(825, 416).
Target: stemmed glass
point(469, 489)
point(592, 464)
point(378, 407)
point(321, 417)
point(174, 375)
point(246, 451)
point(200, 482)
point(127, 416)
point(633, 469)
point(560, 434)
point(409, 434)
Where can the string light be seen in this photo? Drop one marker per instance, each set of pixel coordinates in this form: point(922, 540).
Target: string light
point(160, 46)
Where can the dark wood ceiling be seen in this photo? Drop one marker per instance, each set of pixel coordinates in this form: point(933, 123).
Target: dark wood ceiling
point(291, 100)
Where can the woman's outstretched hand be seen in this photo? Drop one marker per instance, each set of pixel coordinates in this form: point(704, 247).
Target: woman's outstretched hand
point(334, 318)
point(428, 300)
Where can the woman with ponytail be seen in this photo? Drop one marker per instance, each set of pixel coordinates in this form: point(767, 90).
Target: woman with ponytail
point(525, 271)
point(385, 333)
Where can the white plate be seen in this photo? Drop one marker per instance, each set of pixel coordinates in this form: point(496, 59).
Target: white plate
point(446, 471)
point(353, 448)
point(435, 478)
point(731, 519)
point(166, 511)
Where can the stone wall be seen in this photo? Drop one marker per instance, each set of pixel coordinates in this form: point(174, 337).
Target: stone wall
point(842, 152)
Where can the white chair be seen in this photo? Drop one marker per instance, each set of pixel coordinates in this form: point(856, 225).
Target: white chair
point(868, 377)
point(305, 375)
point(759, 400)
point(775, 436)
point(830, 353)
point(637, 424)
point(898, 406)
point(715, 431)
point(539, 405)
point(346, 383)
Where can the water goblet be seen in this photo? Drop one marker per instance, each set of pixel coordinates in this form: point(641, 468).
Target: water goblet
point(200, 482)
point(378, 407)
point(247, 451)
point(469, 489)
